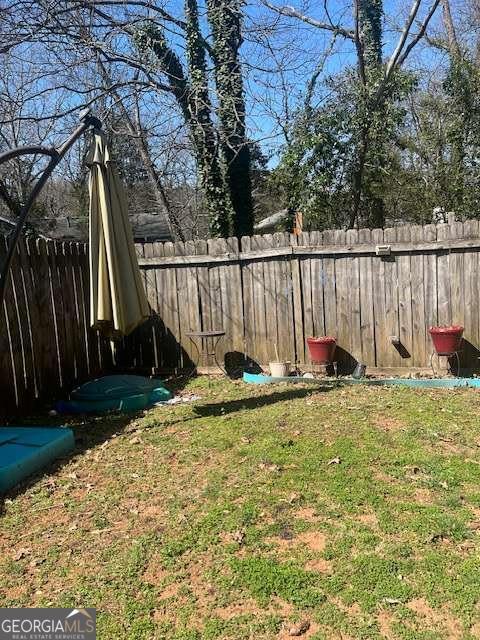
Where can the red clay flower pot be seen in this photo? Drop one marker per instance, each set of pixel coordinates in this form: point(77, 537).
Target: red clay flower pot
point(322, 349)
point(446, 340)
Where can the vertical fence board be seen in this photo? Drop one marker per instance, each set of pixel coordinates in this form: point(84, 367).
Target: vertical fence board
point(260, 348)
point(234, 293)
point(248, 302)
point(329, 290)
point(405, 319)
point(392, 357)
point(223, 309)
point(23, 353)
point(378, 284)
point(457, 283)
point(367, 317)
point(173, 355)
point(284, 303)
point(353, 286)
point(472, 297)
point(419, 330)
point(159, 325)
point(443, 279)
point(430, 285)
point(194, 311)
point(270, 300)
point(296, 276)
point(8, 384)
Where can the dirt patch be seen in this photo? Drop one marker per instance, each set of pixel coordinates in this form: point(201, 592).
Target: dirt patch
point(381, 476)
point(152, 512)
point(281, 607)
point(160, 615)
point(388, 424)
point(354, 609)
point(154, 572)
point(423, 496)
point(369, 519)
point(320, 566)
point(170, 591)
point(306, 513)
point(247, 607)
point(15, 593)
point(205, 591)
point(250, 607)
point(433, 618)
point(314, 540)
point(385, 619)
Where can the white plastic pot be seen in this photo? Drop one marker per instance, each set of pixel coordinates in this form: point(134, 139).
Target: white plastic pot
point(279, 369)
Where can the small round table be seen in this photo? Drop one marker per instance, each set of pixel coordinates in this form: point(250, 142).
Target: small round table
point(207, 352)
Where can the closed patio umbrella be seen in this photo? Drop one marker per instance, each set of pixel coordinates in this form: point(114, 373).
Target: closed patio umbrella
point(118, 303)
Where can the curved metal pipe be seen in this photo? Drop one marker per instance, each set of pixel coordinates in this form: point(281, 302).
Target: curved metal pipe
point(56, 155)
point(27, 150)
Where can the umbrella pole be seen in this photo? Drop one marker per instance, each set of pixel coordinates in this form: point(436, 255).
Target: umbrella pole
point(22, 211)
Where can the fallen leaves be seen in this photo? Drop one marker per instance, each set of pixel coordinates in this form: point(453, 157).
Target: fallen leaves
point(21, 553)
point(392, 601)
point(299, 629)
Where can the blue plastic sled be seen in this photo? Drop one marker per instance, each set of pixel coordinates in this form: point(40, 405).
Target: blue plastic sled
point(25, 450)
point(123, 393)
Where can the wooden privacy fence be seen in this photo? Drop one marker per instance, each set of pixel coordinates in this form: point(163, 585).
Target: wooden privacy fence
point(263, 291)
point(281, 289)
point(46, 346)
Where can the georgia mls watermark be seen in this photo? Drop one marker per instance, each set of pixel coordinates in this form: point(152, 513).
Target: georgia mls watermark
point(48, 624)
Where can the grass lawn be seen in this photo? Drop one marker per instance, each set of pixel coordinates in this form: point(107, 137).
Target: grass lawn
point(256, 512)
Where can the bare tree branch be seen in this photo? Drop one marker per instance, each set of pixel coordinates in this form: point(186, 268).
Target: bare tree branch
point(403, 38)
point(420, 34)
point(291, 12)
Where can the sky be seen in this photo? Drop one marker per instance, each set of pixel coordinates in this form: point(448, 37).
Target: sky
point(279, 56)
point(299, 47)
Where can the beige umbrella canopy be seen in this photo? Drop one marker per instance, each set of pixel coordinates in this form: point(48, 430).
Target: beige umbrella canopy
point(118, 303)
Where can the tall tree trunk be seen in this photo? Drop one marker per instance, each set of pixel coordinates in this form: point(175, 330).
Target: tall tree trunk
point(225, 19)
point(358, 177)
point(202, 129)
point(370, 16)
point(368, 38)
point(192, 95)
point(450, 29)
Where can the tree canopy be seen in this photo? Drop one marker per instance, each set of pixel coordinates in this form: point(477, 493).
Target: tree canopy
point(354, 112)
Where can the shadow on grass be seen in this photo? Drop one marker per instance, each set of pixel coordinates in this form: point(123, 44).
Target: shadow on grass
point(215, 409)
point(92, 431)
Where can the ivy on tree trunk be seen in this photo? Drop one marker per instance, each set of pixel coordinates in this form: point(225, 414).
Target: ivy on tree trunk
point(225, 19)
point(369, 16)
point(192, 95)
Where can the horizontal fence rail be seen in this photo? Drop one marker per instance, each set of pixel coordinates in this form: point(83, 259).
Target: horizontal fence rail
point(274, 291)
point(46, 345)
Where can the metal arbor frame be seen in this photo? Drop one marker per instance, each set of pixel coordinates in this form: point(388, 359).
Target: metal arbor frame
point(87, 120)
